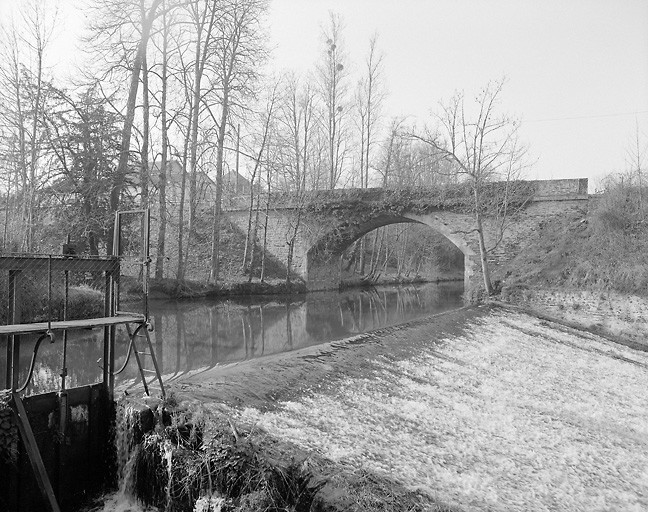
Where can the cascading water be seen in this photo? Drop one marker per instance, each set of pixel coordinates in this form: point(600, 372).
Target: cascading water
point(123, 500)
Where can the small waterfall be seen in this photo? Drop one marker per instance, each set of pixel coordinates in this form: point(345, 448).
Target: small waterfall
point(127, 450)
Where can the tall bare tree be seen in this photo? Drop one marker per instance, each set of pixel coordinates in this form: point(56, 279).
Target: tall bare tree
point(24, 43)
point(164, 150)
point(334, 90)
point(240, 50)
point(115, 18)
point(369, 97)
point(481, 146)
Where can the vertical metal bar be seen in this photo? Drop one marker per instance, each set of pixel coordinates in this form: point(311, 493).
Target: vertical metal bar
point(109, 363)
point(106, 366)
point(49, 293)
point(65, 331)
point(147, 261)
point(116, 253)
point(14, 340)
point(8, 359)
point(116, 235)
point(9, 349)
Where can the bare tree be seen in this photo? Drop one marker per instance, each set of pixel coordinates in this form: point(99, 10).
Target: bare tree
point(481, 148)
point(114, 19)
point(164, 150)
point(635, 157)
point(240, 51)
point(24, 44)
point(333, 77)
point(297, 120)
point(261, 140)
point(369, 97)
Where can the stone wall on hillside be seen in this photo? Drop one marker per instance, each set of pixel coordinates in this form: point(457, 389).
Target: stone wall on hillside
point(611, 313)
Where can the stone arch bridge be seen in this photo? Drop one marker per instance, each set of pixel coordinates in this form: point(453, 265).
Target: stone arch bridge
point(320, 225)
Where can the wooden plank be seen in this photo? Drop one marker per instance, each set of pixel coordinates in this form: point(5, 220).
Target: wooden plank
point(34, 455)
point(87, 323)
point(59, 263)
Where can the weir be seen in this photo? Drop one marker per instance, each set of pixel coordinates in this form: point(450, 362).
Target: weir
point(55, 448)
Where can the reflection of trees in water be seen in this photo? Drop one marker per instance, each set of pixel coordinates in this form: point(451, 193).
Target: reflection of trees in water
point(376, 307)
point(196, 336)
point(83, 352)
point(208, 334)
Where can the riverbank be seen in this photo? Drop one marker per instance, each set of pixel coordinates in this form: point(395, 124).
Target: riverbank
point(165, 289)
point(481, 408)
point(173, 289)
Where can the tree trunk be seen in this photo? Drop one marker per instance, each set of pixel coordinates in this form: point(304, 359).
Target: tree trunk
point(122, 166)
point(146, 111)
point(265, 226)
point(180, 274)
point(162, 221)
point(483, 254)
point(215, 263)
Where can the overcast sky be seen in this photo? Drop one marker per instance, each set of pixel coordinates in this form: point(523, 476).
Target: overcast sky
point(577, 70)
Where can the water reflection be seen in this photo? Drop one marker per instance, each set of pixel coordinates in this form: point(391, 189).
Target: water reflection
point(196, 335)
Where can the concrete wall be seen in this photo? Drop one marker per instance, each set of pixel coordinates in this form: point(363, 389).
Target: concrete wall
point(321, 269)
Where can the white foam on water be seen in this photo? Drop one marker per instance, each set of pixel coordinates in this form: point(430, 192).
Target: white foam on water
point(513, 415)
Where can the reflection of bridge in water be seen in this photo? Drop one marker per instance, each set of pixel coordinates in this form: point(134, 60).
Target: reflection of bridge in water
point(192, 337)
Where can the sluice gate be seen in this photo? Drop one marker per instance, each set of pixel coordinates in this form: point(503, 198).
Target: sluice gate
point(55, 447)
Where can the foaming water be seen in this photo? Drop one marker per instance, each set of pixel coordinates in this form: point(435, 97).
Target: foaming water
point(123, 500)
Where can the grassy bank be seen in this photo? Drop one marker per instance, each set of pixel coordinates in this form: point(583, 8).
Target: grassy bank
point(606, 251)
point(174, 289)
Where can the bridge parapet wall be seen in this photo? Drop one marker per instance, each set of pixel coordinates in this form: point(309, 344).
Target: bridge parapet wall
point(440, 198)
point(554, 189)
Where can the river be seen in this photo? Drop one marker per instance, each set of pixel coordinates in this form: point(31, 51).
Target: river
point(194, 335)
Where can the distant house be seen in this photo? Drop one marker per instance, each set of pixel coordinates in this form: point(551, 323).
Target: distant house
point(205, 186)
point(235, 185)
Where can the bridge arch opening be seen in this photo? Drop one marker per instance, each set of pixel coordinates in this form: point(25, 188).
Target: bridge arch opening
point(388, 249)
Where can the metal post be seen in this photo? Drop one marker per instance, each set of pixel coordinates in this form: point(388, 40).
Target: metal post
point(147, 261)
point(13, 352)
point(65, 332)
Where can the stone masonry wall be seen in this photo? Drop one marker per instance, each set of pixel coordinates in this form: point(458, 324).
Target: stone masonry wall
point(621, 316)
point(554, 198)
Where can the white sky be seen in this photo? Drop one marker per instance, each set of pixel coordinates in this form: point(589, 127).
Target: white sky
point(573, 66)
point(577, 70)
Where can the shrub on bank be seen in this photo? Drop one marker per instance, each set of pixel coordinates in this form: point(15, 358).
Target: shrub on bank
point(83, 302)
